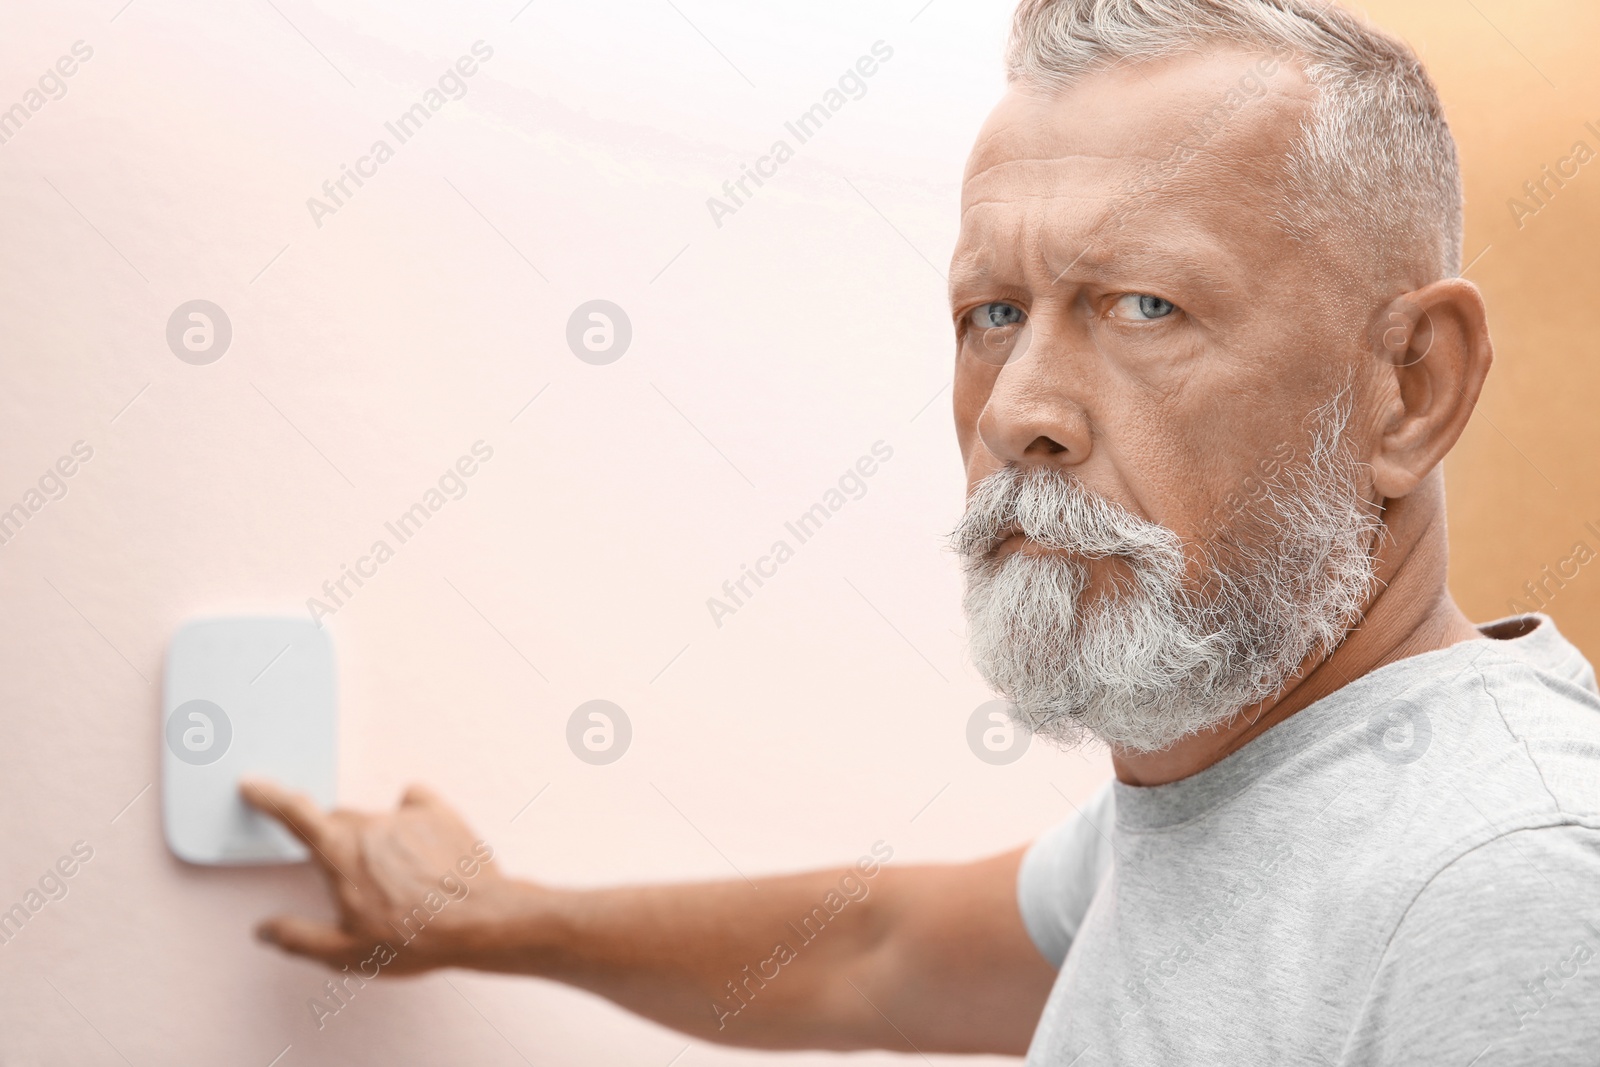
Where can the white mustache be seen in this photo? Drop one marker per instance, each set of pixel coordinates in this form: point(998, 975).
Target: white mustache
point(1052, 509)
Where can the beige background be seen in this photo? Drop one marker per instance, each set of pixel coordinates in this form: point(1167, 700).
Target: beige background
point(1523, 481)
point(768, 354)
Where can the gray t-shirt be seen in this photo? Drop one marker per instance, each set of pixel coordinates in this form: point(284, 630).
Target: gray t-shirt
point(1405, 872)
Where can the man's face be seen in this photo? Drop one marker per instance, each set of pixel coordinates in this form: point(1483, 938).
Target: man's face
point(1140, 347)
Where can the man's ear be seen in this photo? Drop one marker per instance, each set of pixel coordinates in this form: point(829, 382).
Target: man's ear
point(1433, 353)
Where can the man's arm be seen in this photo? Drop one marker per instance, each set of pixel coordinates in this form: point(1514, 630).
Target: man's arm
point(932, 958)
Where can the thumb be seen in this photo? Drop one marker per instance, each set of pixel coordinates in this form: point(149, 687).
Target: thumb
point(318, 941)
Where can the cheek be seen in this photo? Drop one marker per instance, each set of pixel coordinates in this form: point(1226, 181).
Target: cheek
point(1178, 468)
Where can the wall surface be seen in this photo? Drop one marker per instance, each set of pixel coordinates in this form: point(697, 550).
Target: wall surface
point(377, 337)
point(1523, 98)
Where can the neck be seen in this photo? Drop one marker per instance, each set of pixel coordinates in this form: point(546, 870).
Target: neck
point(1411, 613)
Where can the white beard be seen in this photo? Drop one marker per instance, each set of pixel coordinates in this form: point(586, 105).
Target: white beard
point(1154, 660)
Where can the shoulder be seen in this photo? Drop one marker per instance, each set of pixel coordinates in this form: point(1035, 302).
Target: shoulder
point(1500, 950)
point(1551, 713)
point(1061, 871)
point(1495, 953)
point(1484, 743)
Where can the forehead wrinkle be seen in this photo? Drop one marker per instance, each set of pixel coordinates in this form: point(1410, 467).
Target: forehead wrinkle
point(1040, 235)
point(1043, 178)
point(1006, 162)
point(1098, 231)
point(1107, 204)
point(1098, 202)
point(1043, 259)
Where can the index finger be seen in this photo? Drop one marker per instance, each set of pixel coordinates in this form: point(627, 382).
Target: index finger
point(296, 811)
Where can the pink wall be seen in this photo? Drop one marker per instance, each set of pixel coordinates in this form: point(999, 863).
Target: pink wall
point(376, 349)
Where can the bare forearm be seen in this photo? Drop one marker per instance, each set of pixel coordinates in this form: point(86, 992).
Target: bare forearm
point(918, 958)
point(723, 961)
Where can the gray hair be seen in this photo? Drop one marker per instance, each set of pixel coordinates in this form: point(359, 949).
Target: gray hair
point(1376, 152)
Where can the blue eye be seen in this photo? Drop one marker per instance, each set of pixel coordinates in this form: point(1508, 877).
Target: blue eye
point(1142, 307)
point(992, 316)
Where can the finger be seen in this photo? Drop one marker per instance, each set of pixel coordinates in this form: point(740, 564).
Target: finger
point(418, 795)
point(296, 811)
point(314, 940)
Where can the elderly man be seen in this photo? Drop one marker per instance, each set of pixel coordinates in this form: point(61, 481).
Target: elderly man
point(1211, 351)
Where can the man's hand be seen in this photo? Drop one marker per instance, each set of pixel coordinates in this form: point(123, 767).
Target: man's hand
point(415, 880)
point(929, 958)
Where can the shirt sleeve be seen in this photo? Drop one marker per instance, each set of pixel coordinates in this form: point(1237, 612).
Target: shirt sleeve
point(1496, 963)
point(1061, 871)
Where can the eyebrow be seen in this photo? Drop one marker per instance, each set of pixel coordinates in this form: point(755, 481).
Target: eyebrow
point(974, 268)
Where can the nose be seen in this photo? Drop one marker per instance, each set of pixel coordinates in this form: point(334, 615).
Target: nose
point(1031, 417)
